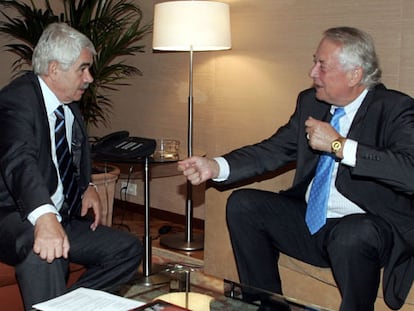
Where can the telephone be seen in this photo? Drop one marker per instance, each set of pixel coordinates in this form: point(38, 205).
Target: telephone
point(119, 146)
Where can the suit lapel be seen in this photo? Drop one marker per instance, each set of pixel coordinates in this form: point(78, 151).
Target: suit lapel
point(43, 119)
point(80, 147)
point(355, 130)
point(311, 157)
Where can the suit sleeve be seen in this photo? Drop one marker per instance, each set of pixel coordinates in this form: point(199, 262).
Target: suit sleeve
point(28, 175)
point(390, 159)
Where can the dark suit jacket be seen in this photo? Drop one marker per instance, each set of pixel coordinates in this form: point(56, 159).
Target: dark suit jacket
point(381, 183)
point(29, 176)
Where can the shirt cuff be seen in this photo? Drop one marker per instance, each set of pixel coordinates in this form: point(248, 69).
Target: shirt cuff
point(349, 152)
point(224, 169)
point(40, 211)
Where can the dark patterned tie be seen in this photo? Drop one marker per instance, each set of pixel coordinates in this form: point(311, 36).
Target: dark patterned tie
point(319, 193)
point(66, 169)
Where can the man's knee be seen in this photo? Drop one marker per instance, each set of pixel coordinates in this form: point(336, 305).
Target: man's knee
point(357, 233)
point(132, 245)
point(238, 203)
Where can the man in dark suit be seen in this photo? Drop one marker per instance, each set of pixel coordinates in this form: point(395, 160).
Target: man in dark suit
point(367, 216)
point(40, 230)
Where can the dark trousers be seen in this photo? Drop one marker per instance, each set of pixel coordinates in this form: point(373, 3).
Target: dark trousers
point(110, 256)
point(355, 247)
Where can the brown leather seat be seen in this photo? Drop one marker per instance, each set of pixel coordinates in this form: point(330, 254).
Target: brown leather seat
point(10, 298)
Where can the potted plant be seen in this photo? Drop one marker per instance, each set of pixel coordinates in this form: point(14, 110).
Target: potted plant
point(115, 28)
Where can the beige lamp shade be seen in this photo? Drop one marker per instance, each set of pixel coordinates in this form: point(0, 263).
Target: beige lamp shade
point(191, 25)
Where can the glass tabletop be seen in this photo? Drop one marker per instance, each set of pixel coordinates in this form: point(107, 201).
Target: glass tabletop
point(229, 298)
point(219, 301)
point(266, 299)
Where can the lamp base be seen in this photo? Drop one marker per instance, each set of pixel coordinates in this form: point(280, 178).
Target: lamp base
point(154, 279)
point(178, 241)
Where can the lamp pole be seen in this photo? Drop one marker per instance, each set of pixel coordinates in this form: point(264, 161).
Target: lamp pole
point(191, 241)
point(190, 26)
point(189, 199)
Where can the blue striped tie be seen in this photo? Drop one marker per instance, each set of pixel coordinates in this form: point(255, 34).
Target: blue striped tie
point(319, 193)
point(66, 169)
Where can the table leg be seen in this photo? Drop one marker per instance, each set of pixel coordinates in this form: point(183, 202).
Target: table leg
point(149, 279)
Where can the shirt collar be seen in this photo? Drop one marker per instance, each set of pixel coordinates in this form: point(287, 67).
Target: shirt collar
point(51, 101)
point(352, 108)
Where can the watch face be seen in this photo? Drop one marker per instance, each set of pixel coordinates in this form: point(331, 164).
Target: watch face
point(336, 145)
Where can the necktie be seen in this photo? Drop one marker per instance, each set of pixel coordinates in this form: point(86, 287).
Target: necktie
point(65, 164)
point(319, 193)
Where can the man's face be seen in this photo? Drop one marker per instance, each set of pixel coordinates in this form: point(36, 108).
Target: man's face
point(331, 81)
point(70, 85)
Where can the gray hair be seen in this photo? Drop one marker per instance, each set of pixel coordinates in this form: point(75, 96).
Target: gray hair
point(358, 50)
point(62, 43)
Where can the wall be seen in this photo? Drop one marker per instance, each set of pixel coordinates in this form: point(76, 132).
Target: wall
point(245, 94)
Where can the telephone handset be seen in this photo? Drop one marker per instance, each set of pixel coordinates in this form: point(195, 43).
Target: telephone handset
point(119, 146)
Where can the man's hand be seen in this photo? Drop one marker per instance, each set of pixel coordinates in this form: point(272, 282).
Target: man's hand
point(198, 169)
point(50, 240)
point(91, 200)
point(320, 134)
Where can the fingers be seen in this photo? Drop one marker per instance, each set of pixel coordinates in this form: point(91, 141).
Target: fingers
point(196, 169)
point(50, 239)
point(95, 224)
point(193, 175)
point(187, 163)
point(51, 250)
point(97, 220)
point(66, 247)
point(320, 134)
point(188, 166)
point(92, 201)
point(96, 207)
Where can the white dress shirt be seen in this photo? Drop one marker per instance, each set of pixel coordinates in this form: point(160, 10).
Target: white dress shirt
point(338, 205)
point(51, 103)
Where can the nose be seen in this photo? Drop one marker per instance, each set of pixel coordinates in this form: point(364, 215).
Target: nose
point(88, 76)
point(314, 71)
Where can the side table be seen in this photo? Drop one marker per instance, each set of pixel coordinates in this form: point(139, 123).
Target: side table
point(147, 168)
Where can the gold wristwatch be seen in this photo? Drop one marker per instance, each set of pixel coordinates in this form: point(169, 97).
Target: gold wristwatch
point(337, 145)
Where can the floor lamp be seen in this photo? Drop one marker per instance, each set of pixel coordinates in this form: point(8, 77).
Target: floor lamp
point(190, 26)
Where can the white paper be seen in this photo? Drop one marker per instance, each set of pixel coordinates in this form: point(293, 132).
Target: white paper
point(86, 299)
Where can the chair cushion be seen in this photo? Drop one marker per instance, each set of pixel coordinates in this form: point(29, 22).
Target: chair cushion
point(6, 275)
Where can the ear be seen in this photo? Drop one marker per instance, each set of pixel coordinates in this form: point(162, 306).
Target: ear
point(355, 76)
point(53, 69)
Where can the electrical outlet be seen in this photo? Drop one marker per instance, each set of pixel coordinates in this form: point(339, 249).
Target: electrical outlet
point(132, 188)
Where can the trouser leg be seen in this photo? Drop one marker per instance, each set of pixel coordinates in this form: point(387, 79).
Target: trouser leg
point(358, 247)
point(261, 224)
point(255, 256)
point(111, 256)
point(39, 280)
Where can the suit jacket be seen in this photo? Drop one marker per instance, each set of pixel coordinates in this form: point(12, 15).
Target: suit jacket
point(29, 176)
point(381, 183)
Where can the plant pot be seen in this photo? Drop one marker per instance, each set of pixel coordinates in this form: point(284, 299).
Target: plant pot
point(104, 177)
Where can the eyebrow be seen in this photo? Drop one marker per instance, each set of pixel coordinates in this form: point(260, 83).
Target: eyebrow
point(315, 58)
point(85, 64)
